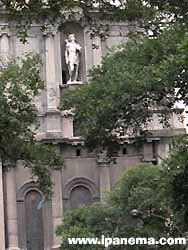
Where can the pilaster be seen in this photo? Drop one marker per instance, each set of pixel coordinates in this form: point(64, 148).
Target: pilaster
point(97, 50)
point(4, 46)
point(105, 182)
point(67, 122)
point(57, 207)
point(2, 224)
point(11, 208)
point(52, 84)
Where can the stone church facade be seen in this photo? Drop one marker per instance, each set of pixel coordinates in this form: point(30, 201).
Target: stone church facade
point(86, 176)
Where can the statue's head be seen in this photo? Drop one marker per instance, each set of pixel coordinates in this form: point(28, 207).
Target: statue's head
point(71, 37)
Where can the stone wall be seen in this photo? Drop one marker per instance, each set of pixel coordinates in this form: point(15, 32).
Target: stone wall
point(82, 168)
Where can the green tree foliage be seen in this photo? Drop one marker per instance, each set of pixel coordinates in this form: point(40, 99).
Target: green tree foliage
point(139, 206)
point(176, 172)
point(20, 83)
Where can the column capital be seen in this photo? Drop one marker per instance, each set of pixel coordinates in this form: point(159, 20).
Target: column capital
point(103, 158)
point(4, 31)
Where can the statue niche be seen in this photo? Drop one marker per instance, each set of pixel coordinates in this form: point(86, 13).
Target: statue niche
point(72, 57)
point(73, 53)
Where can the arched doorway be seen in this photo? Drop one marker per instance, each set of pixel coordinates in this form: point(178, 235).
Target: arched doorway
point(35, 230)
point(34, 221)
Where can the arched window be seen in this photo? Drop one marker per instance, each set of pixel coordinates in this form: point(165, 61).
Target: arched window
point(80, 191)
point(80, 196)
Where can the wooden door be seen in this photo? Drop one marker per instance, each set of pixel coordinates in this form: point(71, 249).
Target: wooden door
point(34, 221)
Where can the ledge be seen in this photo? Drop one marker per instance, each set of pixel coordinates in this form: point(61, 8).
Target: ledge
point(71, 84)
point(58, 137)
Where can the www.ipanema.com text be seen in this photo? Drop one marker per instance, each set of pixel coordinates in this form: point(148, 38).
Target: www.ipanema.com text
point(107, 241)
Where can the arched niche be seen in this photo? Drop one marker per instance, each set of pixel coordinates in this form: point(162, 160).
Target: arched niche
point(34, 225)
point(80, 191)
point(76, 29)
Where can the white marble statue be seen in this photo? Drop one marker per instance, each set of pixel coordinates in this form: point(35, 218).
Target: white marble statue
point(72, 57)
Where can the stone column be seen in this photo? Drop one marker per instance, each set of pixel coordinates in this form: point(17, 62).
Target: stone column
point(105, 182)
point(57, 207)
point(4, 52)
point(11, 208)
point(97, 51)
point(2, 224)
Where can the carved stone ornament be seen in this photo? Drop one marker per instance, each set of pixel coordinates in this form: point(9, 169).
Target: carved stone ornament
point(52, 93)
point(72, 15)
point(68, 112)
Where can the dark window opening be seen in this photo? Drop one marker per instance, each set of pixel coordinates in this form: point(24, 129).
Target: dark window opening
point(76, 129)
point(64, 77)
point(78, 152)
point(124, 151)
point(154, 149)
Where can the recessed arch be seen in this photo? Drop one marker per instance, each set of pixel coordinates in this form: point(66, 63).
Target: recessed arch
point(83, 184)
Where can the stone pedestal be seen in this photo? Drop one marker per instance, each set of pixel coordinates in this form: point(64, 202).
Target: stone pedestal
point(67, 122)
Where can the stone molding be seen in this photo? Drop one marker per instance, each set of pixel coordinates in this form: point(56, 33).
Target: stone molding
point(81, 181)
point(25, 188)
point(56, 247)
point(13, 248)
point(4, 32)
